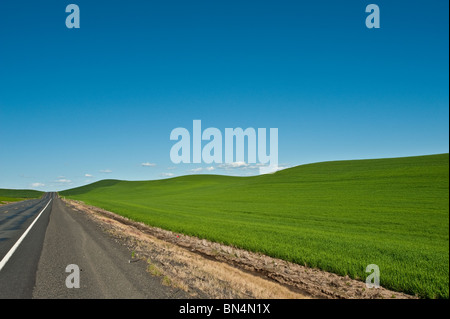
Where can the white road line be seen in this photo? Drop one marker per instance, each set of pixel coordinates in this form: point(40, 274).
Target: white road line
point(13, 249)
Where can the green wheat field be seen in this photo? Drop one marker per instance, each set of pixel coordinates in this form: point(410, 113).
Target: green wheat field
point(12, 195)
point(337, 216)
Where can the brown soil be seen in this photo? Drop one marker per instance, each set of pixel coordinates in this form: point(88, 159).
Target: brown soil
point(212, 270)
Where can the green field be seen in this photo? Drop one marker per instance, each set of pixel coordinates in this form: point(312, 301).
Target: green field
point(337, 216)
point(17, 195)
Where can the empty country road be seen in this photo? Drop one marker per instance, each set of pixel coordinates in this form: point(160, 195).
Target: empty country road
point(39, 238)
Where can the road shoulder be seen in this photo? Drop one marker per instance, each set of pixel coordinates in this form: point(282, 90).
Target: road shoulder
point(105, 270)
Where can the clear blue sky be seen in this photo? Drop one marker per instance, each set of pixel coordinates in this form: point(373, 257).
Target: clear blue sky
point(103, 99)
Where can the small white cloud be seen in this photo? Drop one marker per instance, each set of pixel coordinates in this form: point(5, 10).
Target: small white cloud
point(233, 165)
point(105, 171)
point(255, 166)
point(172, 167)
point(263, 168)
point(269, 169)
point(35, 185)
point(201, 169)
point(238, 164)
point(147, 164)
point(88, 175)
point(167, 174)
point(64, 181)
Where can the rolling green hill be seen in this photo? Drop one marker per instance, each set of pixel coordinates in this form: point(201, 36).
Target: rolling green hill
point(16, 195)
point(337, 216)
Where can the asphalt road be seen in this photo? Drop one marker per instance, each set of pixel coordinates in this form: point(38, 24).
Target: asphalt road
point(18, 272)
point(40, 238)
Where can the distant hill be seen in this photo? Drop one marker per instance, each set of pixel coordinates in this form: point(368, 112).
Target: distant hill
point(14, 195)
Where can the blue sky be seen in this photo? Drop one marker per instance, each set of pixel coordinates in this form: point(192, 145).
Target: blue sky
point(80, 105)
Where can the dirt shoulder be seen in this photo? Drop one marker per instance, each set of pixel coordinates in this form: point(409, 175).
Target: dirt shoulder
point(211, 270)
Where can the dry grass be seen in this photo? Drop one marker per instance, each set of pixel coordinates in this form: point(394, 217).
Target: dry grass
point(188, 271)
